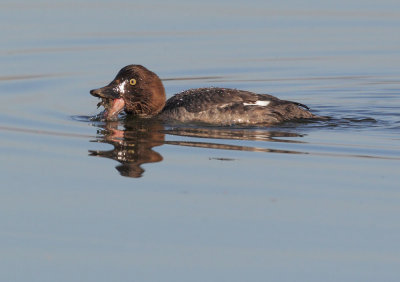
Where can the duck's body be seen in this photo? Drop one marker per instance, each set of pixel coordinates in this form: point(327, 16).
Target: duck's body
point(140, 92)
point(231, 106)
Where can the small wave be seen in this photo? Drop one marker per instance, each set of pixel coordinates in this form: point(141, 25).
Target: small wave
point(82, 118)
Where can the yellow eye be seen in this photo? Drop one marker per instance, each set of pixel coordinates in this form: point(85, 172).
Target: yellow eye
point(132, 81)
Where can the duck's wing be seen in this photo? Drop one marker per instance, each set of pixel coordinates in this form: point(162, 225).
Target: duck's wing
point(201, 99)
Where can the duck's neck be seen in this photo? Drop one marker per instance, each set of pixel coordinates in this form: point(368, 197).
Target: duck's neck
point(147, 103)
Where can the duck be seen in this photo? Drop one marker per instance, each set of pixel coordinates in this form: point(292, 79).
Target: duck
point(140, 93)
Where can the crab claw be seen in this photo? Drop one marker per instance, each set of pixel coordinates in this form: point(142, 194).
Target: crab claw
point(111, 100)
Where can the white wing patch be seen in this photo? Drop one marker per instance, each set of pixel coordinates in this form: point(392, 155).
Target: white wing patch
point(258, 103)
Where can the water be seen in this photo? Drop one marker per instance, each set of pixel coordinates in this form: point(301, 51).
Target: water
point(145, 201)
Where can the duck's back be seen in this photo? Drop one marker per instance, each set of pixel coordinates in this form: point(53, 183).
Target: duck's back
point(226, 106)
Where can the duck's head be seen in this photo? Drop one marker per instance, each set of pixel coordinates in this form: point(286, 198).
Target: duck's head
point(135, 89)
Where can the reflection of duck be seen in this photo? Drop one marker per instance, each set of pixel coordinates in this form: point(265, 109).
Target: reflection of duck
point(132, 146)
point(233, 134)
point(228, 134)
point(140, 92)
point(134, 143)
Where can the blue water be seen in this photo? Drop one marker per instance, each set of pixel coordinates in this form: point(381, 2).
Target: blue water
point(144, 201)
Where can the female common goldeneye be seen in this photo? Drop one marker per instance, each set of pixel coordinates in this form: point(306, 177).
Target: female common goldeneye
point(140, 92)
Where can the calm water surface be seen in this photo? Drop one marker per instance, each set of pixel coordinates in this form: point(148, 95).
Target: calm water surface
point(145, 201)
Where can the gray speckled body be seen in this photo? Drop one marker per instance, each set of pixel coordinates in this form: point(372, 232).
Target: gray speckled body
point(225, 106)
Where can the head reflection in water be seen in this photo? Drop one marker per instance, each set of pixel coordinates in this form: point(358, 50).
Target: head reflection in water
point(134, 143)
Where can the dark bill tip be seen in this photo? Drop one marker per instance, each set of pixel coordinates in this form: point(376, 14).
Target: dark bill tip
point(94, 92)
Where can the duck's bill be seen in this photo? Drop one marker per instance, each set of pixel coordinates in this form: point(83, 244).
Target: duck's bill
point(111, 101)
point(107, 92)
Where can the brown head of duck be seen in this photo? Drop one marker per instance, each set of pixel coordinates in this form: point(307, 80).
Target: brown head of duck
point(135, 89)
